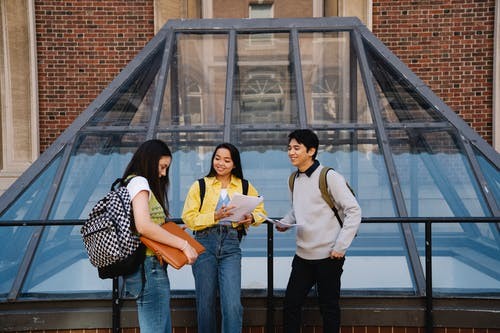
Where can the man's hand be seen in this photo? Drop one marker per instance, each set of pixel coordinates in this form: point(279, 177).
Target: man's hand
point(336, 255)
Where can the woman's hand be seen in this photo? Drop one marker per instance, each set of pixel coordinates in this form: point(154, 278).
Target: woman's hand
point(247, 220)
point(223, 212)
point(190, 253)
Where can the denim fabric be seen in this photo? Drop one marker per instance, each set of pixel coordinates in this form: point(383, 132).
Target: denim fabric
point(153, 300)
point(218, 270)
point(326, 274)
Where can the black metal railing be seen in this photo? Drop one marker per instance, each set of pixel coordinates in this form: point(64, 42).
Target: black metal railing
point(428, 221)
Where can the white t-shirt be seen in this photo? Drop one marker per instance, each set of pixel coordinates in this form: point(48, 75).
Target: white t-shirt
point(136, 185)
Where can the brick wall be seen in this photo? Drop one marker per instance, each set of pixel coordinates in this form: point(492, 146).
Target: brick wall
point(82, 45)
point(449, 45)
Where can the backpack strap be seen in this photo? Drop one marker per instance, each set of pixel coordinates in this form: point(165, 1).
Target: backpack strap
point(244, 184)
point(323, 187)
point(291, 180)
point(201, 183)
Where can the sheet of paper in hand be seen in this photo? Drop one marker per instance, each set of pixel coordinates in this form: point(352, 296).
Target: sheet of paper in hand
point(278, 223)
point(243, 204)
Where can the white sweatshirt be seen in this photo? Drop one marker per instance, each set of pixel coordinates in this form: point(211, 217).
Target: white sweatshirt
point(319, 232)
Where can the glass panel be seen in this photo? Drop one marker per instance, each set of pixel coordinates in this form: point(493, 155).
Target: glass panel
point(198, 70)
point(264, 89)
point(30, 204)
point(491, 175)
point(266, 165)
point(61, 266)
point(95, 162)
point(378, 248)
point(134, 100)
point(192, 152)
point(15, 240)
point(434, 174)
point(399, 100)
point(333, 87)
point(465, 258)
point(355, 155)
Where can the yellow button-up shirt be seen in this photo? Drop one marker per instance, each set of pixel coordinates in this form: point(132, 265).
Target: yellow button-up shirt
point(199, 219)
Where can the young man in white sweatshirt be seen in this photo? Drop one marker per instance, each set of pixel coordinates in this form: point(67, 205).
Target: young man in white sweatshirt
point(322, 240)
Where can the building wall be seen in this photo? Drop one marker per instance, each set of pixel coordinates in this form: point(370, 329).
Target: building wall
point(449, 45)
point(81, 46)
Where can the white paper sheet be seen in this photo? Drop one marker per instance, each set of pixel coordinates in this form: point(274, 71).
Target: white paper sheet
point(244, 204)
point(278, 223)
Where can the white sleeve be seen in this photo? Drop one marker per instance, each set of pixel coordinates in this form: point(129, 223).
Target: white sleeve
point(136, 185)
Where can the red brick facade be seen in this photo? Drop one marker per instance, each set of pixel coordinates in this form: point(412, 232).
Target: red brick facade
point(449, 45)
point(82, 45)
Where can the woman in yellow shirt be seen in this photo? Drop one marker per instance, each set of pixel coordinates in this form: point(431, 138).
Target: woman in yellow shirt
point(219, 268)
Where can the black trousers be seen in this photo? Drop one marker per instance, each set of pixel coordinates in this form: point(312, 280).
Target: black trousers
point(305, 273)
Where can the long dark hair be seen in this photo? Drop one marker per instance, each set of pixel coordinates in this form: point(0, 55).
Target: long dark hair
point(235, 156)
point(145, 163)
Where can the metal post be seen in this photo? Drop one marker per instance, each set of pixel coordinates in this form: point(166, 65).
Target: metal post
point(428, 278)
point(116, 306)
point(270, 279)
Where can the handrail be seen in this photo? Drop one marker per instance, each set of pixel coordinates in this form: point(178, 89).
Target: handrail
point(270, 257)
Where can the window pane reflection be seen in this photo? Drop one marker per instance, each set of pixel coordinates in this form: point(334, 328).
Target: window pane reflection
point(198, 74)
point(29, 205)
point(435, 175)
point(355, 155)
point(61, 266)
point(133, 102)
point(399, 100)
point(465, 258)
point(264, 88)
point(96, 161)
point(333, 87)
point(491, 174)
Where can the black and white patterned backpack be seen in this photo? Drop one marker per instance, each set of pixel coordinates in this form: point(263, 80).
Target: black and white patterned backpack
point(108, 234)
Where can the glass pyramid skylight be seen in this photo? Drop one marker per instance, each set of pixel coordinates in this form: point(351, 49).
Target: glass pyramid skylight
point(250, 82)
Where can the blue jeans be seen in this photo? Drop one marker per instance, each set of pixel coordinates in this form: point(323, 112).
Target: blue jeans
point(326, 274)
point(218, 269)
point(153, 299)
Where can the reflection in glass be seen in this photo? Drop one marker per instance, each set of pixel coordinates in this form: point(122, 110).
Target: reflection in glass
point(29, 205)
point(330, 71)
point(491, 174)
point(192, 152)
point(355, 155)
point(400, 102)
point(61, 266)
point(15, 240)
point(132, 104)
point(435, 176)
point(96, 161)
point(196, 82)
point(264, 91)
point(466, 258)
